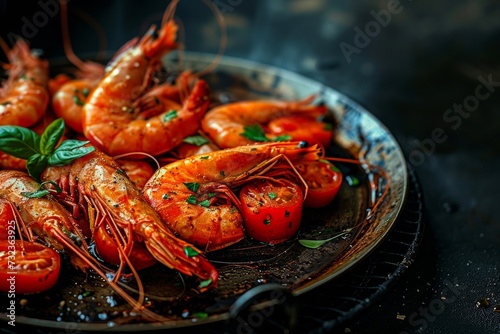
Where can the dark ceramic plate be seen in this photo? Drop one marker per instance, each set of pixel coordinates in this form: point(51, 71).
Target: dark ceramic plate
point(86, 303)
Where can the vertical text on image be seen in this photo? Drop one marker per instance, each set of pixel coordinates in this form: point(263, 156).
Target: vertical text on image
point(11, 278)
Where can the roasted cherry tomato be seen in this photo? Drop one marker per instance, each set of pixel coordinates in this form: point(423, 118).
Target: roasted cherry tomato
point(324, 181)
point(107, 248)
point(27, 267)
point(7, 223)
point(302, 128)
point(271, 210)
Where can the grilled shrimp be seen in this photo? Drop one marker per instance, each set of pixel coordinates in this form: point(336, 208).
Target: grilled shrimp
point(225, 124)
point(46, 219)
point(99, 189)
point(194, 195)
point(115, 118)
point(24, 95)
point(70, 94)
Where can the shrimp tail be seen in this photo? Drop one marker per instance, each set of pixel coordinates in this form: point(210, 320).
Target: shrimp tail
point(154, 44)
point(198, 101)
point(182, 256)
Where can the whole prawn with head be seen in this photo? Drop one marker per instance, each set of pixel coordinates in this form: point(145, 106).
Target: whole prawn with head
point(115, 118)
point(44, 219)
point(228, 125)
point(24, 95)
point(101, 191)
point(195, 195)
point(97, 192)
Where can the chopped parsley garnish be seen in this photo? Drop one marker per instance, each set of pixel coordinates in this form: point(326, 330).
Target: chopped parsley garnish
point(267, 221)
point(272, 195)
point(255, 133)
point(85, 92)
point(353, 181)
point(205, 157)
point(205, 283)
point(77, 100)
point(200, 315)
point(196, 140)
point(192, 199)
point(172, 114)
point(335, 169)
point(283, 138)
point(190, 251)
point(222, 173)
point(165, 196)
point(205, 203)
point(193, 186)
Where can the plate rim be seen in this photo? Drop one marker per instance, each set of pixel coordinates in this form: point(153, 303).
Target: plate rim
point(236, 62)
point(230, 61)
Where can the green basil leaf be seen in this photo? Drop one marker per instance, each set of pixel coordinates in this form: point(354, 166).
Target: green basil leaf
point(255, 133)
point(319, 243)
point(52, 182)
point(51, 136)
point(19, 142)
point(68, 151)
point(36, 165)
point(41, 190)
point(35, 194)
point(196, 140)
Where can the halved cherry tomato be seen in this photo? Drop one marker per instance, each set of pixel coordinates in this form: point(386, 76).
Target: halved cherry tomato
point(107, 248)
point(271, 210)
point(324, 181)
point(7, 224)
point(302, 128)
point(27, 267)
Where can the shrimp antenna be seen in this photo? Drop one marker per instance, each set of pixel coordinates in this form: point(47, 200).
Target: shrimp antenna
point(87, 67)
point(4, 46)
point(223, 40)
point(169, 15)
point(169, 12)
point(68, 49)
point(116, 157)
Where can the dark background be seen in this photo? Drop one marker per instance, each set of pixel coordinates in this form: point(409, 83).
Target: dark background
point(430, 56)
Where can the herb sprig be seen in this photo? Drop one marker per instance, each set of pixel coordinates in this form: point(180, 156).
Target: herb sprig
point(318, 243)
point(41, 151)
point(256, 133)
